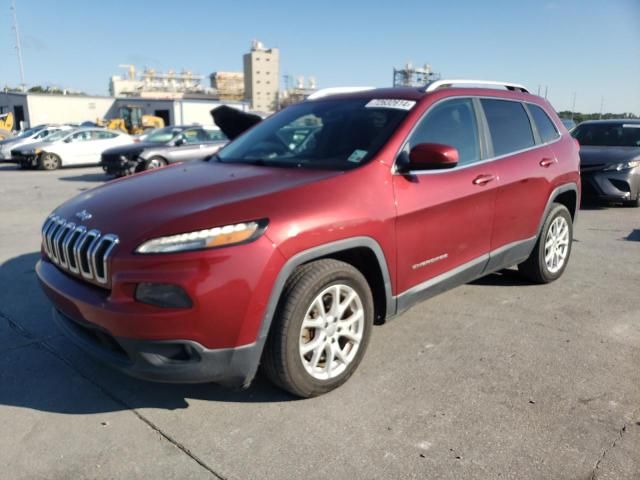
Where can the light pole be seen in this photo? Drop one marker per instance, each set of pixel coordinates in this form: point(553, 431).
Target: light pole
point(18, 46)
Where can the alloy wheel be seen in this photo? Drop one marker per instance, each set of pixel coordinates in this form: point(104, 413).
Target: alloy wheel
point(556, 244)
point(331, 332)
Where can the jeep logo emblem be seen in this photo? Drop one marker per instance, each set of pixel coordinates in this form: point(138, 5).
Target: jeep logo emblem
point(83, 215)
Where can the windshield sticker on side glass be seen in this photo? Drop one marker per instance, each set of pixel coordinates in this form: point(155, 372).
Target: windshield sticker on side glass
point(357, 155)
point(396, 103)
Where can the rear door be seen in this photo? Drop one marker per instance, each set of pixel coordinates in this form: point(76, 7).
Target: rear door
point(103, 140)
point(524, 163)
point(215, 140)
point(76, 149)
point(444, 217)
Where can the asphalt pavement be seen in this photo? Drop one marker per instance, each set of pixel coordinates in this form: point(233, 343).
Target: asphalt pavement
point(497, 379)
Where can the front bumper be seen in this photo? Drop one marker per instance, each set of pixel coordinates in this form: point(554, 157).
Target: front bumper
point(171, 361)
point(611, 186)
point(26, 160)
point(217, 339)
point(119, 165)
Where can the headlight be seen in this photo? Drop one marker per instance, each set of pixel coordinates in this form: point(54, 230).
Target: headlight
point(623, 166)
point(208, 238)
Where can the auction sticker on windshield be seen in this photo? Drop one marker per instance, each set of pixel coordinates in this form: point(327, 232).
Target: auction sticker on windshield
point(396, 103)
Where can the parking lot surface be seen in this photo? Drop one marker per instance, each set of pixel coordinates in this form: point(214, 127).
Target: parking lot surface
point(495, 379)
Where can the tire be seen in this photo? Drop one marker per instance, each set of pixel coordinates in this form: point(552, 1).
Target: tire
point(154, 162)
point(310, 288)
point(551, 254)
point(49, 161)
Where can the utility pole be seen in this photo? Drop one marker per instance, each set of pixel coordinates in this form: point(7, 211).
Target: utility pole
point(546, 90)
point(18, 46)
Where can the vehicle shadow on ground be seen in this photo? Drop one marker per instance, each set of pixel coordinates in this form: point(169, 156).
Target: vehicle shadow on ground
point(502, 278)
point(634, 236)
point(87, 177)
point(9, 166)
point(40, 369)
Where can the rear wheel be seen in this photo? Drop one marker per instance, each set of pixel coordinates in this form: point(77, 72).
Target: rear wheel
point(550, 256)
point(49, 161)
point(321, 329)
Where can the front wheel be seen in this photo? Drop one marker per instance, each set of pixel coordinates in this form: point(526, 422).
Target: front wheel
point(321, 329)
point(49, 161)
point(155, 162)
point(550, 256)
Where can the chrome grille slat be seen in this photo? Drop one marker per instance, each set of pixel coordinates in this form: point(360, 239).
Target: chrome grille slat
point(91, 237)
point(70, 247)
point(79, 251)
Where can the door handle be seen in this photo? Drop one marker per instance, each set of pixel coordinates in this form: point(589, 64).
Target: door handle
point(483, 179)
point(547, 162)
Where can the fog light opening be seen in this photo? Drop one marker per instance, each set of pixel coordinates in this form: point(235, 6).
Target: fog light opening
point(163, 295)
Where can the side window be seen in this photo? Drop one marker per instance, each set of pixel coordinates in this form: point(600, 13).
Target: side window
point(546, 128)
point(215, 135)
point(509, 126)
point(81, 136)
point(452, 122)
point(195, 135)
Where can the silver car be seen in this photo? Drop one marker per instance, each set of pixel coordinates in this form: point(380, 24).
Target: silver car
point(162, 147)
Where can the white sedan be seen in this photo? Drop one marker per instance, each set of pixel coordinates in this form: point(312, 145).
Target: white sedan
point(32, 135)
point(83, 146)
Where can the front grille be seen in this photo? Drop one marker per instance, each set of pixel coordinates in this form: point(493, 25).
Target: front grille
point(79, 251)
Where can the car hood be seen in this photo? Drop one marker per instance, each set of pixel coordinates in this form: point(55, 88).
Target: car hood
point(186, 197)
point(14, 142)
point(30, 146)
point(136, 147)
point(604, 155)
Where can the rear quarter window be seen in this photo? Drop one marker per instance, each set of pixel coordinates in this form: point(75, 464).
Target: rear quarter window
point(545, 126)
point(509, 126)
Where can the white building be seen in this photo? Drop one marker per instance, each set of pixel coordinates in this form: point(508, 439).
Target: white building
point(32, 109)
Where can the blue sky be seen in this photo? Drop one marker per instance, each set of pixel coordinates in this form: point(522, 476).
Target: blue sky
point(590, 47)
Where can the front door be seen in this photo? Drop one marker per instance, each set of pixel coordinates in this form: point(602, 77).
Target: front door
point(444, 217)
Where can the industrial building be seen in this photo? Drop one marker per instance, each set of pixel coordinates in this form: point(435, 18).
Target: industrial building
point(410, 76)
point(31, 109)
point(153, 84)
point(262, 77)
point(228, 85)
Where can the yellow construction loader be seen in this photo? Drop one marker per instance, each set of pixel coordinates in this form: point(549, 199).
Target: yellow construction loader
point(6, 125)
point(132, 121)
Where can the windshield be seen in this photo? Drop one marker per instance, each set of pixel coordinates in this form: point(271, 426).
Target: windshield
point(163, 135)
point(328, 134)
point(28, 132)
point(608, 134)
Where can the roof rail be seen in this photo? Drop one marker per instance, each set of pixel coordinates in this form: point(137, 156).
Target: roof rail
point(325, 92)
point(449, 83)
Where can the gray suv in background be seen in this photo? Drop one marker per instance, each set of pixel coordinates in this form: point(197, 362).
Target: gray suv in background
point(162, 147)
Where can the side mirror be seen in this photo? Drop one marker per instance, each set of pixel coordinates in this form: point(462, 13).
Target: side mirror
point(180, 141)
point(432, 156)
point(68, 140)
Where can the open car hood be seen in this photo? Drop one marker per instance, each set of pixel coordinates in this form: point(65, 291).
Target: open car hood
point(233, 122)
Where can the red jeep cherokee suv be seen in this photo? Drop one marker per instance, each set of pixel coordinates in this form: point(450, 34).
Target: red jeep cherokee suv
point(284, 248)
